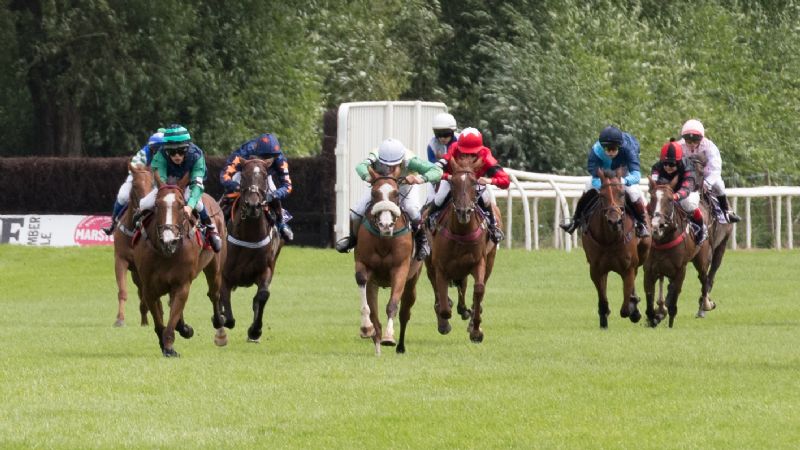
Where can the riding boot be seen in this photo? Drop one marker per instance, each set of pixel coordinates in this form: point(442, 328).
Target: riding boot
point(421, 240)
point(118, 207)
point(138, 218)
point(723, 204)
point(495, 233)
point(280, 221)
point(699, 227)
point(347, 243)
point(225, 204)
point(640, 217)
point(433, 214)
point(212, 235)
point(577, 217)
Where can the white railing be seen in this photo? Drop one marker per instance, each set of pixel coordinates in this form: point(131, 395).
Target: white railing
point(530, 187)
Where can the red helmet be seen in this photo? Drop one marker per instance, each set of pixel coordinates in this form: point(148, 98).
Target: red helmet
point(671, 152)
point(470, 140)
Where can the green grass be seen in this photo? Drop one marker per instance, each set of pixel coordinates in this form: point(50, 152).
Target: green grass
point(546, 376)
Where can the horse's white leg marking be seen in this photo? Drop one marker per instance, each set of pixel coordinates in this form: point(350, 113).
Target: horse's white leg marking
point(389, 333)
point(169, 236)
point(365, 320)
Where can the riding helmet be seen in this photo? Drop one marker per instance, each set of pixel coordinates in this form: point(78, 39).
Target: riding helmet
point(610, 135)
point(470, 140)
point(267, 145)
point(391, 152)
point(671, 152)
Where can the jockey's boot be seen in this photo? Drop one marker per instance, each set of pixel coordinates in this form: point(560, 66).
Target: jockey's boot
point(433, 215)
point(495, 233)
point(580, 211)
point(138, 217)
point(423, 249)
point(225, 204)
point(280, 222)
point(109, 230)
point(723, 204)
point(286, 232)
point(640, 217)
point(212, 235)
point(699, 227)
point(345, 244)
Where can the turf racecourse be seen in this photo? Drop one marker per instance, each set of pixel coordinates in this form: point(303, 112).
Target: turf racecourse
point(545, 377)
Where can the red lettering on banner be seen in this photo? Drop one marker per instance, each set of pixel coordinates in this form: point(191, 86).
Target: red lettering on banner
point(89, 231)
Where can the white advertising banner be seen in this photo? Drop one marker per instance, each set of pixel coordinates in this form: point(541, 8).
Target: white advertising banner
point(56, 231)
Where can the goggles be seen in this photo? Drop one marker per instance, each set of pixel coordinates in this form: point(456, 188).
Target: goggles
point(172, 151)
point(443, 133)
point(692, 137)
point(669, 163)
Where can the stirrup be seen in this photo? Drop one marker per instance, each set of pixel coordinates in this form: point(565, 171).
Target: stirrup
point(496, 235)
point(212, 236)
point(569, 227)
point(732, 217)
point(109, 230)
point(287, 233)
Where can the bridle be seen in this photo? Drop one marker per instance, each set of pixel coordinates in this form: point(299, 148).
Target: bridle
point(177, 231)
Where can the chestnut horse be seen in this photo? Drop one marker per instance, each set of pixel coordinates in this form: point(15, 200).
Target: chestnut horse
point(254, 246)
point(123, 250)
point(461, 247)
point(383, 259)
point(611, 245)
point(171, 255)
point(672, 248)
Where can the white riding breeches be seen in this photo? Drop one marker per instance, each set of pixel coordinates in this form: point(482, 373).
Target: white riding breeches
point(690, 203)
point(124, 194)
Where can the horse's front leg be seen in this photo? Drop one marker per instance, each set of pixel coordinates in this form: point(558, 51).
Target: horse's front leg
point(649, 293)
point(701, 264)
point(121, 274)
point(213, 273)
point(673, 291)
point(178, 298)
point(398, 284)
point(600, 280)
point(408, 300)
point(372, 302)
point(443, 308)
point(362, 277)
point(142, 304)
point(630, 299)
point(462, 309)
point(478, 291)
point(153, 302)
point(259, 303)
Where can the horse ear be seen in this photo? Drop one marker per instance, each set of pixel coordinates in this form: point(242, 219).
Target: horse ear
point(673, 183)
point(601, 174)
point(397, 170)
point(477, 164)
point(454, 166)
point(651, 183)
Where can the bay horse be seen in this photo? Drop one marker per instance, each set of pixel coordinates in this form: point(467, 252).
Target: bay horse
point(673, 246)
point(170, 254)
point(383, 259)
point(461, 247)
point(611, 245)
point(123, 250)
point(254, 246)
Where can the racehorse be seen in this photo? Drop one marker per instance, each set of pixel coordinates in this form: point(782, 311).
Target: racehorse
point(461, 247)
point(383, 259)
point(672, 248)
point(611, 245)
point(171, 254)
point(123, 251)
point(254, 246)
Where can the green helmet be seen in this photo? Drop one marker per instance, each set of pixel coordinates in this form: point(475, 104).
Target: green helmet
point(176, 136)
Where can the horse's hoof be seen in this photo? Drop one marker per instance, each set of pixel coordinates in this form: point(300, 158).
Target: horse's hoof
point(253, 335)
point(220, 338)
point(700, 314)
point(119, 323)
point(636, 316)
point(446, 315)
point(710, 307)
point(476, 338)
point(367, 332)
point(388, 341)
point(444, 329)
point(464, 312)
point(144, 324)
point(229, 324)
point(170, 353)
point(186, 332)
point(401, 349)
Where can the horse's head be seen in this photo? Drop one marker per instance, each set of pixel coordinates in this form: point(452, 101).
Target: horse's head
point(385, 209)
point(171, 221)
point(142, 183)
point(462, 187)
point(612, 198)
point(662, 221)
point(253, 188)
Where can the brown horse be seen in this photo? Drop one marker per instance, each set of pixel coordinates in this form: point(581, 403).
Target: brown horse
point(461, 247)
point(383, 259)
point(171, 255)
point(611, 245)
point(718, 235)
point(254, 246)
point(672, 249)
point(123, 250)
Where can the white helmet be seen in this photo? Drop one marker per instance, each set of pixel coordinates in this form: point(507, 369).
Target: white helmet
point(391, 152)
point(444, 121)
point(693, 126)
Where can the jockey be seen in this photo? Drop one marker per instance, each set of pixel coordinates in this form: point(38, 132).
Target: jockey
point(470, 145)
point(142, 157)
point(444, 134)
point(671, 165)
point(267, 148)
point(694, 141)
point(415, 170)
point(174, 158)
point(613, 149)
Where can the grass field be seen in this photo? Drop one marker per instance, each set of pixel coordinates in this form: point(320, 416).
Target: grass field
point(545, 376)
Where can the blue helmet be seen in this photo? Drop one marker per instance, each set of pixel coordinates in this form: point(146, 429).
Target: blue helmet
point(611, 135)
point(156, 138)
point(267, 145)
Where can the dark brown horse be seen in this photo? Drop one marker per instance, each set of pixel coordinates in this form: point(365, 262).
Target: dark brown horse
point(170, 255)
point(672, 248)
point(123, 250)
point(383, 259)
point(718, 235)
point(611, 245)
point(461, 247)
point(253, 247)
